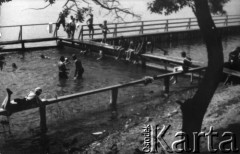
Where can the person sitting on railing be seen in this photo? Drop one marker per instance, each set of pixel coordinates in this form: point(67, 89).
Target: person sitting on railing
point(187, 62)
point(31, 100)
point(122, 46)
point(90, 25)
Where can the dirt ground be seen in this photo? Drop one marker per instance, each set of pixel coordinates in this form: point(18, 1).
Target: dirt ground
point(223, 115)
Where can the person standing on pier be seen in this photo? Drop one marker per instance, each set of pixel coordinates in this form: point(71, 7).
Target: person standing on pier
point(62, 68)
point(61, 20)
point(72, 27)
point(90, 26)
point(105, 30)
point(78, 68)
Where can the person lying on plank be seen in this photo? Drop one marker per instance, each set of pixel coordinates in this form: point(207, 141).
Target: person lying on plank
point(32, 99)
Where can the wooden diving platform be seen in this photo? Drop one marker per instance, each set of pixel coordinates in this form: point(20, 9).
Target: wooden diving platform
point(88, 43)
point(168, 59)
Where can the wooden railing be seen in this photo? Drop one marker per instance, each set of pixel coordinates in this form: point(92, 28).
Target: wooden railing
point(113, 96)
point(154, 26)
point(139, 27)
point(21, 27)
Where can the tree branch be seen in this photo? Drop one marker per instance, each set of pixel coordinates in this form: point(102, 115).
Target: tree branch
point(39, 8)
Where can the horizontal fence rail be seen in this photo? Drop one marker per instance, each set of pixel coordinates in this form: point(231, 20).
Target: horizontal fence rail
point(26, 33)
point(153, 26)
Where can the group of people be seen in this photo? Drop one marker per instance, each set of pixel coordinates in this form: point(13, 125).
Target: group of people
point(63, 70)
point(69, 27)
point(103, 28)
point(132, 50)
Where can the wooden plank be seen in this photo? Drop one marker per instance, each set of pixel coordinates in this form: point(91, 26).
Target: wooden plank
point(40, 39)
point(163, 58)
point(10, 42)
point(231, 72)
point(93, 43)
point(174, 60)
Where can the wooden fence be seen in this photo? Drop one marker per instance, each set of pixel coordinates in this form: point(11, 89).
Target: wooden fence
point(156, 26)
point(113, 95)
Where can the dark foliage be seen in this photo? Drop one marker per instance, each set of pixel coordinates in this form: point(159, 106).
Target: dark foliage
point(4, 1)
point(170, 6)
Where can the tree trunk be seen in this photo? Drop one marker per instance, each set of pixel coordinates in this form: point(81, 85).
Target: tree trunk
point(194, 109)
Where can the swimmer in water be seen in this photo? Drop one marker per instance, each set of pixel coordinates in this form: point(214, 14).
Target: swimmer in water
point(2, 61)
point(79, 70)
point(63, 71)
point(14, 67)
point(44, 57)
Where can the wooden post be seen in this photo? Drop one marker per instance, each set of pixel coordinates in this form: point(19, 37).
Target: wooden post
point(43, 121)
point(20, 33)
point(226, 21)
point(113, 99)
point(143, 60)
point(55, 32)
point(115, 31)
point(189, 24)
point(191, 78)
point(166, 85)
point(166, 27)
point(23, 46)
point(80, 33)
point(142, 28)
